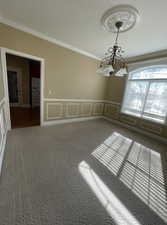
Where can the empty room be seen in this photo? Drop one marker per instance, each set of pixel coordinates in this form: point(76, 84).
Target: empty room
point(83, 112)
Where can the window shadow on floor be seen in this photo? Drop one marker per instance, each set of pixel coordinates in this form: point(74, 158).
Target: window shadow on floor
point(132, 174)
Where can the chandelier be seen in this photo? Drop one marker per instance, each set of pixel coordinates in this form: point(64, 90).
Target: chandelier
point(118, 19)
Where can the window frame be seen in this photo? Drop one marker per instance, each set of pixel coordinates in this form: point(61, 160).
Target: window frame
point(164, 123)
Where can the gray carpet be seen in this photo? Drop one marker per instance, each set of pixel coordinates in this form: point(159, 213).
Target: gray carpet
point(47, 171)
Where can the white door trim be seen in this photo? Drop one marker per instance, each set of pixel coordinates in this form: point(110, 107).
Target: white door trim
point(4, 51)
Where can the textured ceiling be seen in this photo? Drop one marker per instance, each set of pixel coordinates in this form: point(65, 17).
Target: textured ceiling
point(77, 23)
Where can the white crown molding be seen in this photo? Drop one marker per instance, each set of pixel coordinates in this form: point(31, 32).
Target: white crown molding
point(142, 61)
point(45, 37)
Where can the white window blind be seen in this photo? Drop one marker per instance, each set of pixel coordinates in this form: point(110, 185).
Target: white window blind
point(146, 94)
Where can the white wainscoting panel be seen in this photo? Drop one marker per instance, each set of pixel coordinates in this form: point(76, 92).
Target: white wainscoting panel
point(54, 110)
point(72, 109)
point(112, 110)
point(154, 128)
point(86, 109)
point(98, 109)
point(129, 120)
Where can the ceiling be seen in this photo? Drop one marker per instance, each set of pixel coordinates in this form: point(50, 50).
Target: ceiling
point(77, 23)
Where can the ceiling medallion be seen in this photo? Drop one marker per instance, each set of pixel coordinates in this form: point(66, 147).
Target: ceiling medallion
point(118, 19)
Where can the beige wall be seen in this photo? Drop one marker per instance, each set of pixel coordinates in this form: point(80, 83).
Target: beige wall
point(67, 74)
point(115, 89)
point(22, 64)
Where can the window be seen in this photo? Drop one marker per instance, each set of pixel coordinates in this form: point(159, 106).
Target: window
point(146, 94)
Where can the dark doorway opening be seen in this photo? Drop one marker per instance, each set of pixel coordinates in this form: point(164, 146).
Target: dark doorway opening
point(13, 87)
point(24, 91)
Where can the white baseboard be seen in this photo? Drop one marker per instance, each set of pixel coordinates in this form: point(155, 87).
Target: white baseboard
point(154, 136)
point(2, 151)
point(55, 122)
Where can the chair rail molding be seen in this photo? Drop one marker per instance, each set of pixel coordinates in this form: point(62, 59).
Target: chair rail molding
point(71, 100)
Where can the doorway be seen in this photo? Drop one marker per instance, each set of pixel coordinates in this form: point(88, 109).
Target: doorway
point(23, 76)
point(13, 86)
